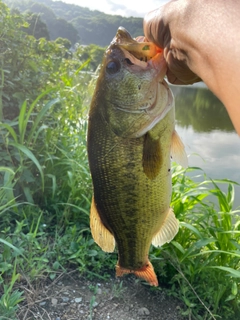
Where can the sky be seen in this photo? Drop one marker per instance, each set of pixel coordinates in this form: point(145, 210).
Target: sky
point(124, 8)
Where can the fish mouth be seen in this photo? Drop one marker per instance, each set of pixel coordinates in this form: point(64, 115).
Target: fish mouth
point(139, 53)
point(139, 48)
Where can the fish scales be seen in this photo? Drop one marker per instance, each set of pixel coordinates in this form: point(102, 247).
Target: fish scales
point(131, 175)
point(128, 199)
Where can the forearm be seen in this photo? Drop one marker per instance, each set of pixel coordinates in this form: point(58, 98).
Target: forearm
point(214, 49)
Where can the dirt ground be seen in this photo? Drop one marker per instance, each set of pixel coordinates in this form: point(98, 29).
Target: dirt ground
point(71, 297)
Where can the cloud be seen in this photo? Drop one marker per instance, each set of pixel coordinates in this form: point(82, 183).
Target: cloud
point(122, 9)
point(217, 153)
point(116, 6)
point(125, 8)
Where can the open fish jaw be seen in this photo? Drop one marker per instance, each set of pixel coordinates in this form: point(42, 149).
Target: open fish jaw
point(142, 50)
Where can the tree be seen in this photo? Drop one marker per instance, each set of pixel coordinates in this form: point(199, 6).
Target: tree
point(37, 27)
point(74, 22)
point(64, 42)
point(62, 28)
point(16, 67)
point(93, 52)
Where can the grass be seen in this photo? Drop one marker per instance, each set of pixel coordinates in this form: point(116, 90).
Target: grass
point(202, 263)
point(200, 266)
point(30, 253)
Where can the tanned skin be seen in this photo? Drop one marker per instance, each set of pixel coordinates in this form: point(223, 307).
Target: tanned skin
point(201, 41)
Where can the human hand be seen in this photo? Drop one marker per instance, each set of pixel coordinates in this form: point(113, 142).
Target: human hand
point(168, 29)
point(201, 40)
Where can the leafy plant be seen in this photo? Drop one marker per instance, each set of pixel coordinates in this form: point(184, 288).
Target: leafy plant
point(202, 262)
point(10, 298)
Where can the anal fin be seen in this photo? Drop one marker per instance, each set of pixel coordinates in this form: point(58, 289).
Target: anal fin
point(178, 152)
point(146, 273)
point(101, 235)
point(168, 230)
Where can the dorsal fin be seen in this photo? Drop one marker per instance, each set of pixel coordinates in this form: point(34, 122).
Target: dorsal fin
point(151, 156)
point(101, 235)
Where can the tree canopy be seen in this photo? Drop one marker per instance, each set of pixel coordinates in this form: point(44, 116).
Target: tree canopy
point(76, 23)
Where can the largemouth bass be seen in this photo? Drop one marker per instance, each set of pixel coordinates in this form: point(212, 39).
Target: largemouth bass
point(131, 138)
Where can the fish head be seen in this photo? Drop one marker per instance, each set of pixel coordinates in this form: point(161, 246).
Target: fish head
point(131, 86)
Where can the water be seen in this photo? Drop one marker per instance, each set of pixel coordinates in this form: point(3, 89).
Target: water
point(208, 134)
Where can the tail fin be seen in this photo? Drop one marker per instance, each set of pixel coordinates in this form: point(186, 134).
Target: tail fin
point(146, 272)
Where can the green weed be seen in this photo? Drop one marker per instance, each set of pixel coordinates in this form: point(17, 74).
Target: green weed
point(10, 298)
point(201, 265)
point(118, 290)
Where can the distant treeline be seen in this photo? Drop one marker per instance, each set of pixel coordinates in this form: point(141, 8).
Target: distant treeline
point(77, 24)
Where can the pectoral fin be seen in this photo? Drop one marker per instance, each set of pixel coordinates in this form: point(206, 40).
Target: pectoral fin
point(151, 157)
point(178, 151)
point(101, 235)
point(168, 230)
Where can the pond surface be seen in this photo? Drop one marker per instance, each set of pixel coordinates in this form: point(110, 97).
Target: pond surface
point(208, 134)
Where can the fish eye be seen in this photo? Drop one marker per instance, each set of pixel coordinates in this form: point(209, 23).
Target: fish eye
point(113, 67)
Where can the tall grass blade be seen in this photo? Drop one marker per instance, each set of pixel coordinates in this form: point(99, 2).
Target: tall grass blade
point(230, 195)
point(222, 200)
point(24, 115)
point(31, 156)
point(10, 130)
point(40, 117)
point(82, 66)
point(12, 247)
point(7, 169)
point(192, 228)
point(22, 121)
point(232, 272)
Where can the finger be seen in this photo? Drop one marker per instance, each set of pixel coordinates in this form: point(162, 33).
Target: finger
point(154, 29)
point(178, 70)
point(174, 80)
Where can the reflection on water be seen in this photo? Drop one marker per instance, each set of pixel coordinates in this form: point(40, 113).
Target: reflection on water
point(208, 134)
point(200, 109)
